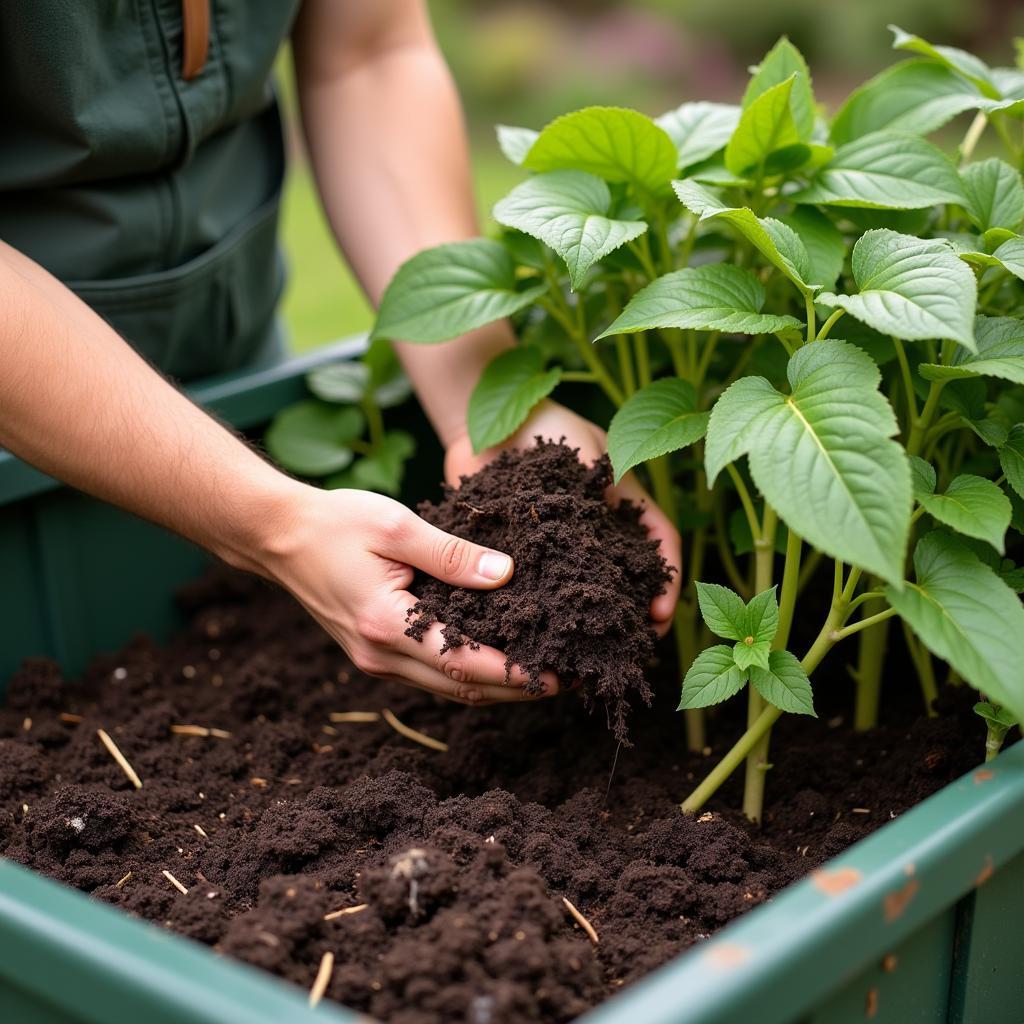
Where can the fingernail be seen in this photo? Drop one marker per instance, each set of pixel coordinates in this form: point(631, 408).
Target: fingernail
point(494, 566)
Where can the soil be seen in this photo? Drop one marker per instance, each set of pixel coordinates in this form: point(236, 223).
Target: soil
point(579, 602)
point(463, 857)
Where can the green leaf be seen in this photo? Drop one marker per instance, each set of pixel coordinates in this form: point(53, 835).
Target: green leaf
point(780, 245)
point(762, 617)
point(976, 71)
point(515, 142)
point(1011, 458)
point(917, 96)
point(712, 678)
point(885, 171)
point(446, 291)
point(383, 470)
point(922, 477)
point(654, 421)
point(911, 288)
point(340, 382)
point(616, 144)
point(998, 717)
point(784, 684)
point(568, 210)
point(824, 242)
point(784, 61)
point(766, 136)
point(822, 456)
point(1011, 255)
point(699, 130)
point(751, 654)
point(722, 610)
point(994, 194)
point(1000, 353)
point(508, 389)
point(967, 616)
point(713, 297)
point(973, 506)
point(311, 438)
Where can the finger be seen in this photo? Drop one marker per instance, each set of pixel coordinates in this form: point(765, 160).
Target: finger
point(660, 528)
point(416, 673)
point(452, 559)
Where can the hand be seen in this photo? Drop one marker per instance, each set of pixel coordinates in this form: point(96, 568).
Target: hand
point(348, 557)
point(554, 421)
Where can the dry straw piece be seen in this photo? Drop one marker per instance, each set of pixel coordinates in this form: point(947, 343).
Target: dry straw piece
point(354, 716)
point(122, 761)
point(345, 910)
point(581, 921)
point(71, 719)
point(201, 831)
point(177, 885)
point(199, 730)
point(323, 978)
point(412, 734)
point(120, 882)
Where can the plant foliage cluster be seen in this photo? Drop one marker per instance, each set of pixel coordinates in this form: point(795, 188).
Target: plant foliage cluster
point(812, 330)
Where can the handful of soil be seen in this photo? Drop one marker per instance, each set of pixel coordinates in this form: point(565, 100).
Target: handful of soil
point(579, 601)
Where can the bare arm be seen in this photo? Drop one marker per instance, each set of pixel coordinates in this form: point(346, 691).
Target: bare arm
point(78, 403)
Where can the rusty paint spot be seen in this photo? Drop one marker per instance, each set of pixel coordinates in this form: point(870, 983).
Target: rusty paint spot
point(889, 963)
point(987, 870)
point(895, 903)
point(832, 883)
point(728, 955)
point(871, 1004)
point(983, 775)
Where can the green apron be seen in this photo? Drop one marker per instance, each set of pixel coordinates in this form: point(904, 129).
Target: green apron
point(141, 162)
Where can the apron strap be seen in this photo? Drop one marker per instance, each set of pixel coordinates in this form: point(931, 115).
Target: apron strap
point(195, 15)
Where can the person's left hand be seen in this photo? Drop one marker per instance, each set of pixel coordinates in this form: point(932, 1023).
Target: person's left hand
point(554, 421)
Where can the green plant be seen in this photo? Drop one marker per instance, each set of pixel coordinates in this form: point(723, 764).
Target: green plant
point(813, 332)
point(340, 435)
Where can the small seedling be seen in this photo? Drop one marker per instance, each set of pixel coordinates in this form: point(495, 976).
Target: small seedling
point(999, 722)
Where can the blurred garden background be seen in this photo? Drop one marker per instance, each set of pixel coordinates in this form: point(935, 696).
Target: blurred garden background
point(523, 62)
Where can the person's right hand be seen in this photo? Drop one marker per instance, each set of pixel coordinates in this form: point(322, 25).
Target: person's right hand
point(348, 556)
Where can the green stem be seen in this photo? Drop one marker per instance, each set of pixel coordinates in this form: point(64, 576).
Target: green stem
point(725, 555)
point(625, 364)
point(787, 595)
point(829, 324)
point(867, 623)
point(922, 660)
point(745, 501)
point(586, 351)
point(920, 424)
point(642, 251)
point(375, 421)
point(579, 376)
point(870, 658)
point(661, 228)
point(811, 320)
point(972, 135)
point(643, 359)
point(674, 343)
point(994, 739)
point(908, 381)
point(706, 355)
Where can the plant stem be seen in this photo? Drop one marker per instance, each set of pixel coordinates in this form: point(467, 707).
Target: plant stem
point(994, 739)
point(762, 725)
point(787, 596)
point(375, 422)
point(866, 623)
point(870, 658)
point(972, 135)
point(586, 350)
point(739, 584)
point(705, 358)
point(922, 660)
point(829, 323)
point(643, 359)
point(811, 321)
point(674, 343)
point(920, 424)
point(625, 364)
point(908, 381)
point(745, 501)
point(579, 376)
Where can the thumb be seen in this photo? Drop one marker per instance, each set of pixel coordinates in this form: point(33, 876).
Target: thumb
point(452, 559)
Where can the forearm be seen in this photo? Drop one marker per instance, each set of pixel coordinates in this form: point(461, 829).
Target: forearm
point(388, 147)
point(78, 403)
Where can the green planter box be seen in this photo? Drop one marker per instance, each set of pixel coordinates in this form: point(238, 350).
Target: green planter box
point(921, 922)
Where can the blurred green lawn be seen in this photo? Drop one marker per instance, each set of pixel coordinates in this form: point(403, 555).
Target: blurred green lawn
point(322, 301)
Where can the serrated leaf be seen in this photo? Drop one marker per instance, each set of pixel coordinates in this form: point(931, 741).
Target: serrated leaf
point(784, 684)
point(885, 171)
point(762, 616)
point(340, 382)
point(312, 438)
point(446, 291)
point(1011, 256)
point(712, 678)
point(616, 144)
point(752, 654)
point(917, 96)
point(824, 242)
point(515, 142)
point(967, 616)
point(975, 70)
point(911, 288)
point(713, 297)
point(922, 477)
point(1011, 458)
point(994, 194)
point(699, 130)
point(654, 421)
point(781, 62)
point(766, 139)
point(508, 389)
point(973, 506)
point(568, 210)
point(1000, 353)
point(722, 610)
point(780, 245)
point(822, 456)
